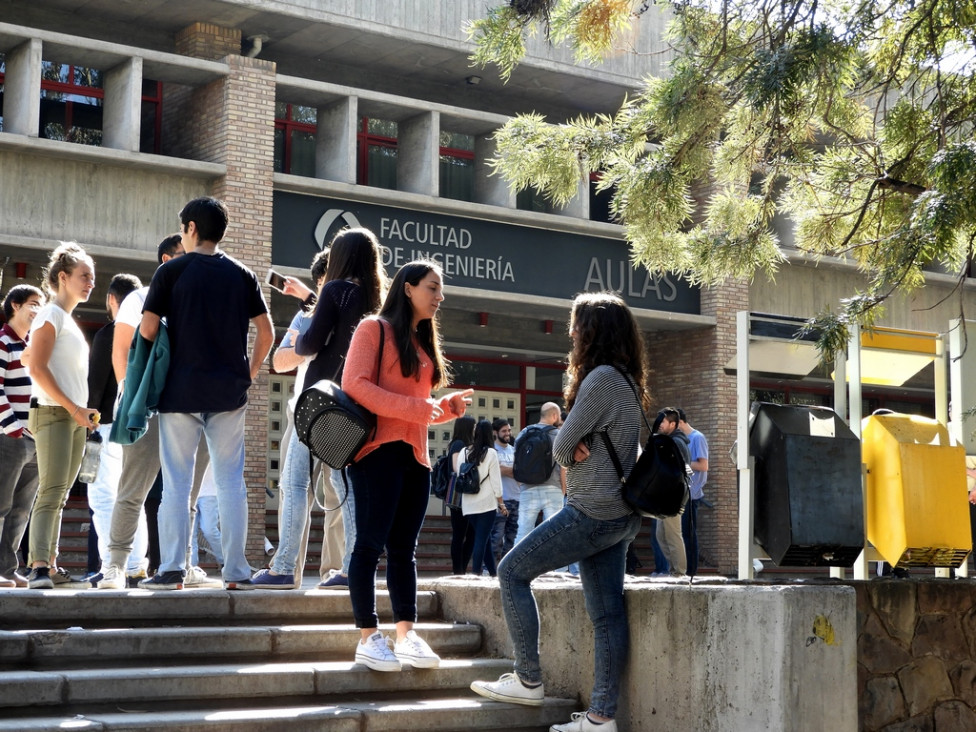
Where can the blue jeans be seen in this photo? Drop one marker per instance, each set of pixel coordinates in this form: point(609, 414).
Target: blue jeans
point(392, 490)
point(348, 509)
point(293, 509)
point(482, 557)
point(689, 532)
point(179, 436)
point(545, 498)
point(601, 548)
point(207, 522)
point(505, 530)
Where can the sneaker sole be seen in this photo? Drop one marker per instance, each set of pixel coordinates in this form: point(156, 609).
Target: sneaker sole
point(378, 665)
point(238, 586)
point(111, 586)
point(161, 587)
point(419, 662)
point(489, 694)
point(40, 585)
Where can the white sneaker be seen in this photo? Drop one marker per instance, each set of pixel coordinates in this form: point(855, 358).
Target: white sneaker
point(414, 651)
point(196, 577)
point(581, 723)
point(113, 578)
point(376, 653)
point(509, 688)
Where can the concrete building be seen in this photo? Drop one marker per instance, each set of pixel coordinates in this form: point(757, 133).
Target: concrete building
point(305, 116)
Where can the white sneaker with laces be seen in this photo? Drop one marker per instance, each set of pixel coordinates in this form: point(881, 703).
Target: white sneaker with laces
point(509, 688)
point(581, 723)
point(412, 650)
point(375, 653)
point(196, 577)
point(113, 578)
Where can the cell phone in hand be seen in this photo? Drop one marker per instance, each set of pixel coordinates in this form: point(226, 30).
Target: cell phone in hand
point(276, 280)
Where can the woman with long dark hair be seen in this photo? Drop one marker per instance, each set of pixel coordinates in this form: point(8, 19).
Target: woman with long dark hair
point(352, 288)
point(606, 372)
point(462, 537)
point(391, 474)
point(480, 508)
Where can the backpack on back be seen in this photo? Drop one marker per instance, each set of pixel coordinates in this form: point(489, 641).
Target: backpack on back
point(440, 476)
point(468, 478)
point(533, 455)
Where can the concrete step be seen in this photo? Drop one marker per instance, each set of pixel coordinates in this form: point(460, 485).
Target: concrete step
point(126, 647)
point(443, 714)
point(35, 609)
point(85, 688)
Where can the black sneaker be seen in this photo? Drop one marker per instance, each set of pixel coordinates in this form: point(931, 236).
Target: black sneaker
point(163, 581)
point(40, 579)
point(63, 580)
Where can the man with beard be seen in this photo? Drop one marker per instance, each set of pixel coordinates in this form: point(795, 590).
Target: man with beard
point(506, 526)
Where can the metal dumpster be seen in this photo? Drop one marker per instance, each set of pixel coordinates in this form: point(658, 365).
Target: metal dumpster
point(916, 498)
point(809, 500)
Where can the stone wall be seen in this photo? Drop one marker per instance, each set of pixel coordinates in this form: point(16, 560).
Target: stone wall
point(915, 655)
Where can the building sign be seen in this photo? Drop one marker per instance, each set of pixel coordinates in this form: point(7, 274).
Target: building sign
point(479, 254)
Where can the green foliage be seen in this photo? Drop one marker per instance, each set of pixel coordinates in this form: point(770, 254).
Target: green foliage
point(854, 117)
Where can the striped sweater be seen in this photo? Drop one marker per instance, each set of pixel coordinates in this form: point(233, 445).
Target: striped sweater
point(15, 384)
point(604, 402)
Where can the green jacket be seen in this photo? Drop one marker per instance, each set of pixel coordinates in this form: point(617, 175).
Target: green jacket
point(145, 377)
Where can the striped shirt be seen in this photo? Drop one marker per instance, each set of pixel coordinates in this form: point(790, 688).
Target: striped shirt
point(15, 384)
point(604, 402)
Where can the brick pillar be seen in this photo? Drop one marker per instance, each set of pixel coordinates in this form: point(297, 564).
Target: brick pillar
point(688, 371)
point(231, 121)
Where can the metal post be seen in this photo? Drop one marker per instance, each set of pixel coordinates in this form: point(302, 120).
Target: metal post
point(746, 488)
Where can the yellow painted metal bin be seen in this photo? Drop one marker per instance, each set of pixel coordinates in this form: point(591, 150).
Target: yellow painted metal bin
point(916, 503)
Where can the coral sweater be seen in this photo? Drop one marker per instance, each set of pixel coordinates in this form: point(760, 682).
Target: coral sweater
point(402, 405)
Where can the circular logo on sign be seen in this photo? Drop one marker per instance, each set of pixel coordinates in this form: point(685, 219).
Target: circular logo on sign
point(328, 220)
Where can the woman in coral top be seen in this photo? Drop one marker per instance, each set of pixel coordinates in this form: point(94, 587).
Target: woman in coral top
point(391, 475)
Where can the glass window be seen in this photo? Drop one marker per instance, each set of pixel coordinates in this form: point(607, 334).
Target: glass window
point(377, 153)
point(71, 103)
point(457, 166)
point(487, 375)
point(529, 199)
point(600, 203)
point(294, 139)
point(549, 379)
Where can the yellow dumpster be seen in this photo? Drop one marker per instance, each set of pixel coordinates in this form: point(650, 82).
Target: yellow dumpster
point(916, 500)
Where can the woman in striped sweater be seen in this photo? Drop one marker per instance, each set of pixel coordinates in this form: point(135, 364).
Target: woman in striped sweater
point(606, 365)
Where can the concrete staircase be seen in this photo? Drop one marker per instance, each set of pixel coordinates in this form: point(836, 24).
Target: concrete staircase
point(217, 660)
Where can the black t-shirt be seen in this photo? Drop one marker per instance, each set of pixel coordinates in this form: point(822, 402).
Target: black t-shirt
point(102, 386)
point(208, 302)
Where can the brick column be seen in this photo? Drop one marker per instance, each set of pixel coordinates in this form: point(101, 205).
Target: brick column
point(688, 371)
point(231, 121)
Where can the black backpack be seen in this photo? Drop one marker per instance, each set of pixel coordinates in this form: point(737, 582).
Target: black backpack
point(469, 479)
point(533, 455)
point(440, 476)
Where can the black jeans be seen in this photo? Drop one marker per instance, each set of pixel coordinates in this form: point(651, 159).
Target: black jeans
point(391, 490)
point(689, 532)
point(462, 541)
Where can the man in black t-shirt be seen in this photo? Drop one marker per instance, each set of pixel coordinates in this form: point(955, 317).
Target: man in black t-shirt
point(209, 300)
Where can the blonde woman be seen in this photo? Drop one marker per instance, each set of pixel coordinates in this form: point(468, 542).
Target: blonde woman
point(58, 419)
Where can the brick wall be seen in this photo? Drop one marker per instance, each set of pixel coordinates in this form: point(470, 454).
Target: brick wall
point(231, 121)
point(687, 371)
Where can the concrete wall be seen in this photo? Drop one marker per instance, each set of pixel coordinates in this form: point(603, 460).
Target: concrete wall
point(803, 289)
point(90, 202)
point(712, 657)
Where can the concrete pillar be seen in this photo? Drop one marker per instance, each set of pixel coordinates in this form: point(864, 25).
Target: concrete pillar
point(231, 121)
point(335, 141)
point(578, 206)
point(22, 89)
point(490, 189)
point(122, 109)
point(418, 154)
